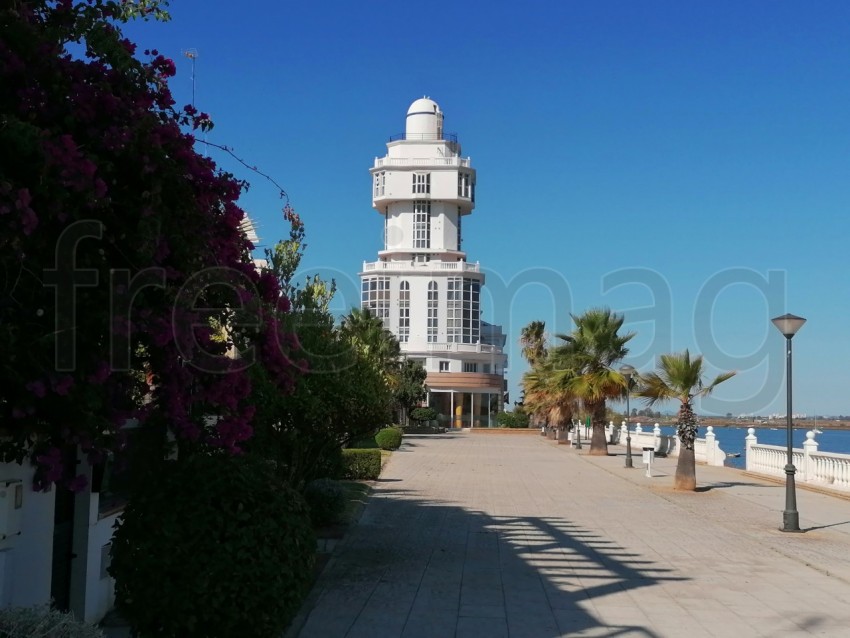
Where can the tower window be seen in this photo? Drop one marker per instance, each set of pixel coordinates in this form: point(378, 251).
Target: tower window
point(375, 295)
point(380, 183)
point(459, 236)
point(444, 366)
point(470, 367)
point(421, 223)
point(463, 310)
point(386, 227)
point(433, 309)
point(422, 183)
point(404, 312)
point(465, 186)
point(454, 308)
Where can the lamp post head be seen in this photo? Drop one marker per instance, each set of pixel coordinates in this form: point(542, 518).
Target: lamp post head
point(627, 371)
point(788, 324)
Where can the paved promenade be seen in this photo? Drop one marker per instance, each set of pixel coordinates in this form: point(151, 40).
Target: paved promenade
point(489, 535)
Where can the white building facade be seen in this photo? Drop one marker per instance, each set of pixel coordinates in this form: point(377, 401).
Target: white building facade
point(422, 286)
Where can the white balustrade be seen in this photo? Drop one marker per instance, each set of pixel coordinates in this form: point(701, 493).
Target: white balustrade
point(421, 161)
point(460, 347)
point(369, 266)
point(817, 468)
point(706, 450)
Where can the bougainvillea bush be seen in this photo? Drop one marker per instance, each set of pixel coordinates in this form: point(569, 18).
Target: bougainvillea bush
point(124, 272)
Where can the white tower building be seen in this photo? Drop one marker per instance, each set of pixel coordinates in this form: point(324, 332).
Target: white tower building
point(422, 287)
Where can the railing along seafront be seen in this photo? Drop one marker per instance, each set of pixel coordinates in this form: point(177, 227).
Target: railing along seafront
point(813, 467)
point(825, 469)
point(706, 450)
point(462, 162)
point(424, 265)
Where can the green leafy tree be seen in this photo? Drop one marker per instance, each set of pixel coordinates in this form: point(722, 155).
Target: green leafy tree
point(410, 389)
point(342, 395)
point(679, 377)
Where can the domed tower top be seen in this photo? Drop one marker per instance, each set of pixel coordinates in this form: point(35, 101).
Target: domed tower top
point(424, 120)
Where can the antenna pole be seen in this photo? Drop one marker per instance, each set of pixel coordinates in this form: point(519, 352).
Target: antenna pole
point(192, 54)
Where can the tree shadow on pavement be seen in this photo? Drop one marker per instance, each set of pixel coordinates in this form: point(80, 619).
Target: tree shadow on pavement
point(728, 484)
point(419, 568)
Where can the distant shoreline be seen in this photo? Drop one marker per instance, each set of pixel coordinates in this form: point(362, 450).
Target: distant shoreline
point(779, 425)
point(770, 425)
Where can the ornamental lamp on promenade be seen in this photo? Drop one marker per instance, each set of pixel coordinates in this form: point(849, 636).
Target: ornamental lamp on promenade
point(628, 372)
point(788, 325)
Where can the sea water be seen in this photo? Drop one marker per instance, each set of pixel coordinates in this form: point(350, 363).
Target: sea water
point(732, 439)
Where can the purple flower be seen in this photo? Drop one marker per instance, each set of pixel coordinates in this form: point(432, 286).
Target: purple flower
point(37, 388)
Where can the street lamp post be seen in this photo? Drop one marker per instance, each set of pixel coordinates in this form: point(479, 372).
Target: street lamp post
point(788, 325)
point(577, 428)
point(628, 371)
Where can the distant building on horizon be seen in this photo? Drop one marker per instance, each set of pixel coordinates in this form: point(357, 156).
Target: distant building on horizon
point(422, 286)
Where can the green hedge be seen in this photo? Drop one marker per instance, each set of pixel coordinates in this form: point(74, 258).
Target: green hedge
point(213, 546)
point(389, 438)
point(423, 414)
point(361, 464)
point(326, 500)
point(512, 420)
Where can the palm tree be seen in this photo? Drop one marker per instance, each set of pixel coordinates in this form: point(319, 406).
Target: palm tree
point(545, 400)
point(680, 377)
point(583, 366)
point(533, 340)
point(367, 333)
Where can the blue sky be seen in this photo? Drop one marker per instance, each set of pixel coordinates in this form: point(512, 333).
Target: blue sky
point(685, 163)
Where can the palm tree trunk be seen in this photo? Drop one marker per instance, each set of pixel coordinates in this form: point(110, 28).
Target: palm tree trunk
point(598, 441)
point(686, 467)
point(686, 470)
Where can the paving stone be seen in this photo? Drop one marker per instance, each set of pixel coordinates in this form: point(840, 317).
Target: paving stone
point(511, 535)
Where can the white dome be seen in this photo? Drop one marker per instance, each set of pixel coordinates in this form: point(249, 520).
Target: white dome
point(422, 106)
point(424, 120)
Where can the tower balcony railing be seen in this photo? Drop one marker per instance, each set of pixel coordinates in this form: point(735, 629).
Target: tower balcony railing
point(462, 347)
point(461, 266)
point(425, 137)
point(462, 162)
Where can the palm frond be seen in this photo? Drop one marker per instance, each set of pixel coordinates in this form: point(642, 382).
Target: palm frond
point(678, 376)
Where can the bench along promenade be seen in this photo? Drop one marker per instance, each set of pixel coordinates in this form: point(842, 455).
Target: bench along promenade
point(488, 535)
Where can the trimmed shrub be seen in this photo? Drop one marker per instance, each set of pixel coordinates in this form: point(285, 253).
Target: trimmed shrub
point(38, 622)
point(326, 500)
point(423, 414)
point(389, 438)
point(213, 546)
point(362, 464)
point(512, 419)
point(330, 463)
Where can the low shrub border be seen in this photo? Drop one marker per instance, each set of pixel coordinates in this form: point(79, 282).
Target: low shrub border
point(389, 438)
point(361, 464)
